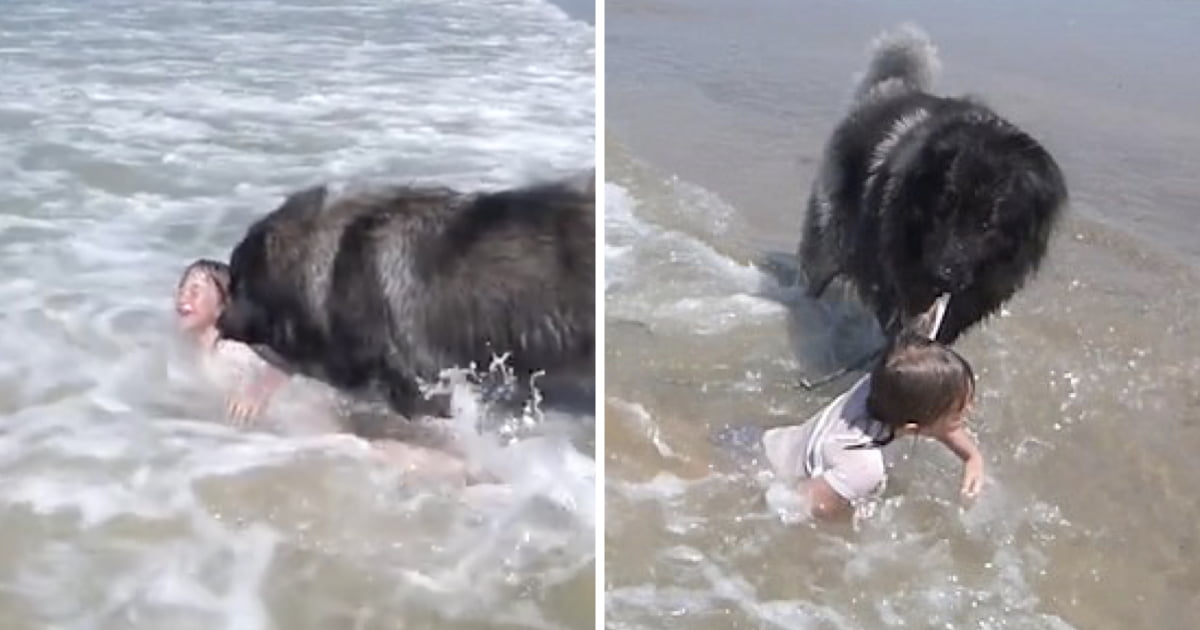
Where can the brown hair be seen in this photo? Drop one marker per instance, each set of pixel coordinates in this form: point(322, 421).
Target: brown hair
point(216, 270)
point(918, 380)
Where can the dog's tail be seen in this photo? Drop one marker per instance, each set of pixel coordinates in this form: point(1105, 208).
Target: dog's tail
point(902, 58)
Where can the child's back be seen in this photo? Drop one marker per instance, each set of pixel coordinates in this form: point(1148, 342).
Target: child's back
point(841, 444)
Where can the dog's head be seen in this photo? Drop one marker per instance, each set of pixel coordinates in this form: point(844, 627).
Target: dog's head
point(252, 314)
point(976, 217)
point(983, 194)
point(244, 319)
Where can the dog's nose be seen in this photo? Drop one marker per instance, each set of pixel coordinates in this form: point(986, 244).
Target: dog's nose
point(953, 278)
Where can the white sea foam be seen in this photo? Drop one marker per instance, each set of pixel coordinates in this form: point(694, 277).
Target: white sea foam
point(707, 291)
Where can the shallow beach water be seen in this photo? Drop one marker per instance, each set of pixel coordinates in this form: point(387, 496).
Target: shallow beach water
point(717, 113)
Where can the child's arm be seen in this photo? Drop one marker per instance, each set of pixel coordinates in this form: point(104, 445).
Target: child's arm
point(248, 402)
point(964, 447)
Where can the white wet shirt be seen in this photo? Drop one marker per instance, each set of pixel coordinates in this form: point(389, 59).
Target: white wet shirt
point(841, 444)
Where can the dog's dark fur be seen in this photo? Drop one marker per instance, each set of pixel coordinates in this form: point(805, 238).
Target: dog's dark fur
point(920, 195)
point(374, 291)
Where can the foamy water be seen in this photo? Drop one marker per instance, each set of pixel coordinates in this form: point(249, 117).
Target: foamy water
point(139, 136)
point(703, 281)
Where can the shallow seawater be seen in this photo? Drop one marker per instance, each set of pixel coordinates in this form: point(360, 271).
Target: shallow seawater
point(1087, 401)
point(140, 136)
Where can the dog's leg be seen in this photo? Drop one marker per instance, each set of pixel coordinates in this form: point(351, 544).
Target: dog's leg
point(817, 265)
point(786, 270)
point(819, 262)
point(818, 284)
point(887, 314)
point(783, 267)
point(890, 324)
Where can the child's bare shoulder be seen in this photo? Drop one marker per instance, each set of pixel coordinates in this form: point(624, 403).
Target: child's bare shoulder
point(237, 355)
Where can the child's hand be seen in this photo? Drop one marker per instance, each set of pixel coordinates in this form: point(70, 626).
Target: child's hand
point(246, 404)
point(963, 445)
point(972, 481)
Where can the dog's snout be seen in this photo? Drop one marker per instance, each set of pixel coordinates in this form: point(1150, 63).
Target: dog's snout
point(953, 277)
point(231, 325)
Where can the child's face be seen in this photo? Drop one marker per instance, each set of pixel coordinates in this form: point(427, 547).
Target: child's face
point(198, 301)
point(951, 422)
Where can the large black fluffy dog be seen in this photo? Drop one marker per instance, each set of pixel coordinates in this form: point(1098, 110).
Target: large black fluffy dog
point(920, 195)
point(374, 291)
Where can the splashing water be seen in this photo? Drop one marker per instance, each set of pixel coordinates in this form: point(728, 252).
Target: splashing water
point(194, 524)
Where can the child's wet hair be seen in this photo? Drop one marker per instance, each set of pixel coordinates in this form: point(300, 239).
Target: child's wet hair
point(214, 269)
point(919, 380)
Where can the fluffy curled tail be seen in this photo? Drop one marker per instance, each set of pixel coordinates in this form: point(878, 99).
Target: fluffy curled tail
point(903, 56)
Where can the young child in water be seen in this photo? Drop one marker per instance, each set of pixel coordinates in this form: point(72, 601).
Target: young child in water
point(919, 387)
point(251, 381)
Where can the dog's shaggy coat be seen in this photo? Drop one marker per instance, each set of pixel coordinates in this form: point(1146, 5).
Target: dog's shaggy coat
point(919, 195)
point(376, 291)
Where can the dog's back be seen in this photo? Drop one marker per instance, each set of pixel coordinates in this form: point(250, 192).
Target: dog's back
point(520, 264)
point(380, 288)
point(901, 68)
point(920, 195)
